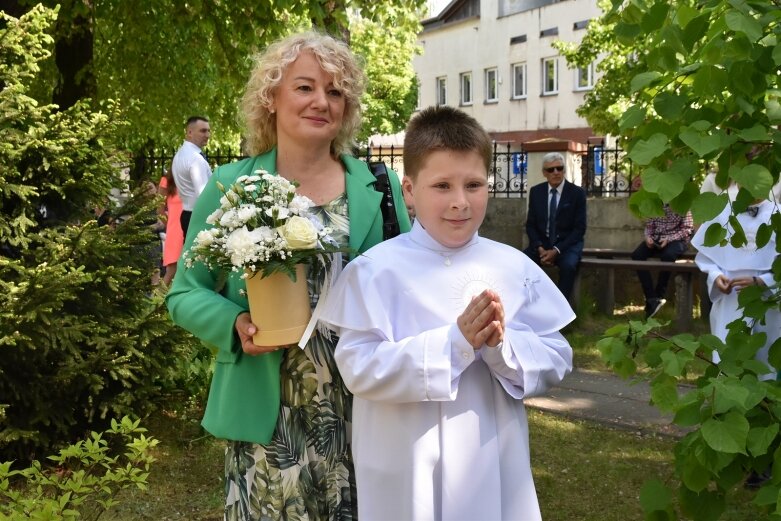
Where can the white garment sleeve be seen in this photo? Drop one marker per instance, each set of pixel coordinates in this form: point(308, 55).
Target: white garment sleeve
point(200, 174)
point(768, 279)
point(527, 364)
point(712, 270)
point(426, 367)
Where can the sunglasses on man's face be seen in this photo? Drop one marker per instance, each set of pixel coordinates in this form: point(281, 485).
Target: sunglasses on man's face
point(551, 169)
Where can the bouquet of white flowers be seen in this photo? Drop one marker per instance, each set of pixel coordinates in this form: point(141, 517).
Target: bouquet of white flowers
point(266, 230)
point(263, 226)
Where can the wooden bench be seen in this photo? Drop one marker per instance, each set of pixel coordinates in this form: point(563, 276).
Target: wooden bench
point(608, 261)
point(609, 253)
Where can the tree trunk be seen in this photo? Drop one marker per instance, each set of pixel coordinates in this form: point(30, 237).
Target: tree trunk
point(73, 56)
point(330, 24)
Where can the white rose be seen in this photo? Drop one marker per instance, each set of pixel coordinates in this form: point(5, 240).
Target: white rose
point(299, 233)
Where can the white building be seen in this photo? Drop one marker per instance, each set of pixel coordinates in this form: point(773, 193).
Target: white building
point(494, 60)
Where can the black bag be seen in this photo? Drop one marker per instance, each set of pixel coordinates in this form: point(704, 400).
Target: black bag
point(390, 224)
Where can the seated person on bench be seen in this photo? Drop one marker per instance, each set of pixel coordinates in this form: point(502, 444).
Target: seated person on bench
point(668, 237)
point(556, 222)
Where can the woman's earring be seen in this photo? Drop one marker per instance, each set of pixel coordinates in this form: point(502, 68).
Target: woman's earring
point(271, 110)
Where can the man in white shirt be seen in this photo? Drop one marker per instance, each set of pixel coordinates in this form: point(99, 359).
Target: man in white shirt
point(190, 168)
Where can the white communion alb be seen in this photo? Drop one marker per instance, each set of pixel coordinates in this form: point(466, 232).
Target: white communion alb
point(440, 429)
point(746, 261)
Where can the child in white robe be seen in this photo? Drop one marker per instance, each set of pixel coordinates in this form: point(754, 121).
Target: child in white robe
point(731, 269)
point(443, 333)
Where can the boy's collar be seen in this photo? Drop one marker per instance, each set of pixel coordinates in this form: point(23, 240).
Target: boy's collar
point(421, 237)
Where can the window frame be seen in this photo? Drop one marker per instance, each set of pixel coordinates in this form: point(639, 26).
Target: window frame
point(441, 89)
point(544, 90)
point(590, 77)
point(462, 99)
point(525, 89)
point(487, 85)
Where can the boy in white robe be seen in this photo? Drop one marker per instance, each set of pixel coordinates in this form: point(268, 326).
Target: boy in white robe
point(442, 335)
point(731, 269)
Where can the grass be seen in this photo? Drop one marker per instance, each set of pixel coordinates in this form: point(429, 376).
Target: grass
point(589, 327)
point(583, 471)
point(588, 472)
point(186, 481)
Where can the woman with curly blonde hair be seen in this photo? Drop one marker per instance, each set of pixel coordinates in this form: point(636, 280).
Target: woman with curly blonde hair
point(286, 412)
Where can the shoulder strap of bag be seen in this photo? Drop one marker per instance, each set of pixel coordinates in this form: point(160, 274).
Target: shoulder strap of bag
point(390, 224)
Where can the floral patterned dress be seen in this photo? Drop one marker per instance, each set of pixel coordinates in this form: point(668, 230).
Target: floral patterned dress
point(306, 471)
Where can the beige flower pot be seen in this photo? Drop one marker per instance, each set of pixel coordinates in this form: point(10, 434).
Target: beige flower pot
point(279, 307)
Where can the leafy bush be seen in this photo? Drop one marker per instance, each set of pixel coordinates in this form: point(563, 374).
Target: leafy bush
point(692, 86)
point(732, 413)
point(83, 336)
point(84, 480)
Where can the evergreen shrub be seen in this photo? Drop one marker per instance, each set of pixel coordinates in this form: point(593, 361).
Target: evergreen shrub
point(84, 336)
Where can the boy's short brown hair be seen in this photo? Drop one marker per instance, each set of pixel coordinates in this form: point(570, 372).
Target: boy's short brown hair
point(443, 128)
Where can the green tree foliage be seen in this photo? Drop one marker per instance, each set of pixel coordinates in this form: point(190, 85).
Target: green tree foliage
point(686, 85)
point(82, 338)
point(164, 61)
point(387, 49)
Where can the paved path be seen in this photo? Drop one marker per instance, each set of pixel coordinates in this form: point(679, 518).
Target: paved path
point(608, 399)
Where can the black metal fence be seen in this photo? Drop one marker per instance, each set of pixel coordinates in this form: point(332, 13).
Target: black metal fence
point(606, 172)
point(506, 175)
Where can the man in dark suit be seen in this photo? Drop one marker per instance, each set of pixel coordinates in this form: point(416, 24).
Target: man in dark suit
point(556, 222)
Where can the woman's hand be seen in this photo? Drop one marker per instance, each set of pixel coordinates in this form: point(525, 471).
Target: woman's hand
point(245, 328)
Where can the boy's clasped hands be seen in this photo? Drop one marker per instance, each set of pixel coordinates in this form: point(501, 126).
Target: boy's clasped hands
point(482, 322)
point(726, 285)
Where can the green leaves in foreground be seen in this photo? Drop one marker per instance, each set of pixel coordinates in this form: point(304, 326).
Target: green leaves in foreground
point(732, 415)
point(692, 88)
point(83, 479)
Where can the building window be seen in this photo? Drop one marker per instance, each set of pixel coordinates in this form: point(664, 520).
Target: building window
point(518, 39)
point(466, 88)
point(491, 85)
point(442, 91)
point(584, 77)
point(583, 24)
point(519, 80)
point(550, 76)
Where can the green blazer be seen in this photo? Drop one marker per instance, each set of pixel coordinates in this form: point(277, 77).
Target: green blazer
point(244, 397)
